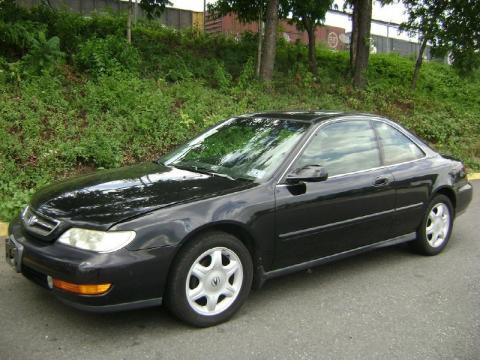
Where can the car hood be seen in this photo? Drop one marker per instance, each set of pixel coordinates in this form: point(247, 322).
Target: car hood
point(107, 197)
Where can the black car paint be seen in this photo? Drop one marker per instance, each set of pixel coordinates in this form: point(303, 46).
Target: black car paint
point(167, 207)
point(333, 202)
point(102, 199)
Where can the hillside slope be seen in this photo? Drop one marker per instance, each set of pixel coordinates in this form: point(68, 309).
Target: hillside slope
point(74, 96)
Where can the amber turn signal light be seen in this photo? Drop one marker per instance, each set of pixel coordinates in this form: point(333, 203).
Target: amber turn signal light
point(82, 289)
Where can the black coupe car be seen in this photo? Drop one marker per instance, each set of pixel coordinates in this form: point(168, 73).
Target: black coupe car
point(255, 197)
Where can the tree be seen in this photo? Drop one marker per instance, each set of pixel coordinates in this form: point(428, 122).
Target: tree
point(360, 38)
point(152, 8)
point(307, 15)
point(270, 42)
point(249, 11)
point(354, 36)
point(46, 3)
point(129, 21)
point(424, 19)
point(245, 10)
point(461, 37)
point(451, 28)
point(259, 42)
point(362, 13)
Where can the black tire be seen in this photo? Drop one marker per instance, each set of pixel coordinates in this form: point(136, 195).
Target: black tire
point(176, 296)
point(422, 244)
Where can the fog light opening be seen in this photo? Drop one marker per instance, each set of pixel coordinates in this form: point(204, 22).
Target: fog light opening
point(82, 289)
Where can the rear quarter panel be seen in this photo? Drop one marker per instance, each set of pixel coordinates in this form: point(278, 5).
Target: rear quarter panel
point(417, 183)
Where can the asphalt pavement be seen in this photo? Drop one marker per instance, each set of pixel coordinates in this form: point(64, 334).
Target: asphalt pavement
point(386, 304)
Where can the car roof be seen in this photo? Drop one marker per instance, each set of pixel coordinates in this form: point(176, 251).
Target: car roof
point(307, 116)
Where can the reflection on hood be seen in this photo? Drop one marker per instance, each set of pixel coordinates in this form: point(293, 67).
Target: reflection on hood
point(110, 196)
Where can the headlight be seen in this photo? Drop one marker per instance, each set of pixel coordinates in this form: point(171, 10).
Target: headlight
point(98, 241)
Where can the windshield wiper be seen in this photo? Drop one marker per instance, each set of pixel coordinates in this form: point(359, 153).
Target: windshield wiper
point(201, 170)
point(222, 175)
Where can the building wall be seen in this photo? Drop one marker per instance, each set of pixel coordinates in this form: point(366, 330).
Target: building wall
point(229, 24)
point(176, 18)
point(406, 48)
point(328, 35)
point(80, 6)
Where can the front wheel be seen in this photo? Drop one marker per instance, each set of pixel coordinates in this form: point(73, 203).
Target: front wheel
point(210, 279)
point(436, 228)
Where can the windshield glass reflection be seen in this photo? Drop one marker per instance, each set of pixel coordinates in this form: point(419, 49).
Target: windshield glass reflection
point(249, 148)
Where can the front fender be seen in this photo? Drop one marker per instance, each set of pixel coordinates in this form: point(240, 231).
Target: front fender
point(251, 210)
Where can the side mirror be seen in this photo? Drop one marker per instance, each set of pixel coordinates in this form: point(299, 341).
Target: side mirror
point(308, 173)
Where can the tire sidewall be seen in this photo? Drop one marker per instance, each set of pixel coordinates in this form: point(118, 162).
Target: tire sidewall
point(422, 236)
point(176, 291)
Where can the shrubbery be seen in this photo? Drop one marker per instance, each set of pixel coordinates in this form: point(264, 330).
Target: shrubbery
point(109, 55)
point(80, 97)
point(44, 56)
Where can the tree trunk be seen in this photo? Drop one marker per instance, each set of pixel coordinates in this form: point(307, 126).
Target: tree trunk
point(260, 41)
point(135, 12)
point(354, 36)
point(129, 22)
point(312, 55)
point(270, 41)
point(363, 43)
point(418, 64)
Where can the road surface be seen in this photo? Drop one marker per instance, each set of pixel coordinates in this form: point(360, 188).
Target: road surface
point(387, 304)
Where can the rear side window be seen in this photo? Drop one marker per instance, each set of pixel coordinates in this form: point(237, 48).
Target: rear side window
point(343, 147)
point(397, 148)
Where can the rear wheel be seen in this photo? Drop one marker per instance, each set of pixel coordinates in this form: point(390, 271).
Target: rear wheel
point(436, 228)
point(210, 279)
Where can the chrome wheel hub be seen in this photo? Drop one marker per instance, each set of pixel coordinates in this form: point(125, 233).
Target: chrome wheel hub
point(214, 281)
point(438, 225)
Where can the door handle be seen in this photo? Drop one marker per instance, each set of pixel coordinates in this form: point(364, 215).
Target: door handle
point(381, 181)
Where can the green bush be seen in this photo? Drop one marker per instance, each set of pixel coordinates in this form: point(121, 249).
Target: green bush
point(16, 38)
point(44, 56)
point(106, 56)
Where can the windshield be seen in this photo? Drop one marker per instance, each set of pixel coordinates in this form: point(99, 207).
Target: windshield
point(246, 148)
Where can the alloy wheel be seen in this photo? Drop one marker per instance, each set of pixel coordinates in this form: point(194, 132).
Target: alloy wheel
point(438, 225)
point(214, 281)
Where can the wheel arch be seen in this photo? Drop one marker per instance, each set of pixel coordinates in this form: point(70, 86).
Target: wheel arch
point(239, 230)
point(449, 193)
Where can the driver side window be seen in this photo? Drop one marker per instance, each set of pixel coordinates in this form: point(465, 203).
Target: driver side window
point(343, 147)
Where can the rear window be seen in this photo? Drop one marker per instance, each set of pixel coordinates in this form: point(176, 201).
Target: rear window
point(397, 148)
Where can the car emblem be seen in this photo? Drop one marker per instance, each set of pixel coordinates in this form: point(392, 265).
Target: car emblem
point(215, 281)
point(32, 220)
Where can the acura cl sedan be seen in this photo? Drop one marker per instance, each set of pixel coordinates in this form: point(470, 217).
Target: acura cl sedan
point(255, 197)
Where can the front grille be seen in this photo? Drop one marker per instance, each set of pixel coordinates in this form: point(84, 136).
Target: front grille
point(35, 276)
point(39, 224)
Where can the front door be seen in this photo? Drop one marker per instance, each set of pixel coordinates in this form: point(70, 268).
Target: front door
point(354, 207)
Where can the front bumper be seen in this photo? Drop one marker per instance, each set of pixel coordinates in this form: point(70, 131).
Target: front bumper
point(138, 277)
